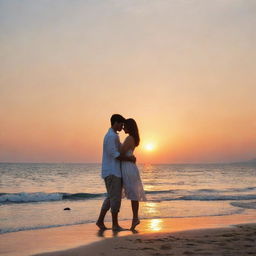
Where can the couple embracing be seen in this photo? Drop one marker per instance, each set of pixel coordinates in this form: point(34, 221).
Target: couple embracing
point(120, 172)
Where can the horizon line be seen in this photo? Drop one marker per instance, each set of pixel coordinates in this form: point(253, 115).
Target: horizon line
point(174, 163)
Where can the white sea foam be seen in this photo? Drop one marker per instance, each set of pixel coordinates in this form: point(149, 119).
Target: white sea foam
point(30, 197)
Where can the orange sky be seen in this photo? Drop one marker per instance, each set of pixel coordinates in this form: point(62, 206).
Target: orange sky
point(185, 70)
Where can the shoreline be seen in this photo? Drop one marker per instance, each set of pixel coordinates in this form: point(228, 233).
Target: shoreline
point(236, 240)
point(64, 239)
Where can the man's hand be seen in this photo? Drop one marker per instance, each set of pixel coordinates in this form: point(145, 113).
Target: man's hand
point(133, 159)
point(127, 158)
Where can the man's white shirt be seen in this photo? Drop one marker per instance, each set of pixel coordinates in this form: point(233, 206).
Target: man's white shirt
point(111, 145)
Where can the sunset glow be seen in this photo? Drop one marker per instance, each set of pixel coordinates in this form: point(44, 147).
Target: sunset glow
point(184, 70)
point(149, 147)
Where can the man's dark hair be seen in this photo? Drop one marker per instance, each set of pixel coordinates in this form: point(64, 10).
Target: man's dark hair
point(117, 118)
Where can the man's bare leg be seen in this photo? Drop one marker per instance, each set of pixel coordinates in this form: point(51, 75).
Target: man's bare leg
point(104, 209)
point(100, 221)
point(115, 224)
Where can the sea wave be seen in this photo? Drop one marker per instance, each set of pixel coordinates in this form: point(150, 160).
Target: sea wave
point(44, 197)
point(215, 197)
point(245, 205)
point(159, 195)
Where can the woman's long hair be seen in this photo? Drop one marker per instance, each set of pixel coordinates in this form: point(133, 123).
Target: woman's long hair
point(133, 130)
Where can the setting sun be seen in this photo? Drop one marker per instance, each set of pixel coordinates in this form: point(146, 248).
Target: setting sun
point(149, 146)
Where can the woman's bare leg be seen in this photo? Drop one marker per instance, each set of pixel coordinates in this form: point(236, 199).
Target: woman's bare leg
point(135, 211)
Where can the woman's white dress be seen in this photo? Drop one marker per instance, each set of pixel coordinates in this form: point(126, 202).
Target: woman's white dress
point(132, 184)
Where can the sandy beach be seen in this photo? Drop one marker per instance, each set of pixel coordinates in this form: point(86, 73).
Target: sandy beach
point(238, 240)
point(221, 235)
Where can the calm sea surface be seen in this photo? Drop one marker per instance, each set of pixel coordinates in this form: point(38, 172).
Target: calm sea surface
point(33, 196)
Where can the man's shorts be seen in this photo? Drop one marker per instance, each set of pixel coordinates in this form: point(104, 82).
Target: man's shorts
point(114, 190)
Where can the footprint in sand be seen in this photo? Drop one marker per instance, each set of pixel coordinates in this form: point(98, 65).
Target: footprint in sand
point(227, 235)
point(188, 253)
point(160, 254)
point(147, 248)
point(248, 245)
point(249, 239)
point(190, 244)
point(165, 247)
point(160, 239)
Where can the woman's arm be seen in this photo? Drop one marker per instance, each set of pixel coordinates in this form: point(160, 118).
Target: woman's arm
point(125, 147)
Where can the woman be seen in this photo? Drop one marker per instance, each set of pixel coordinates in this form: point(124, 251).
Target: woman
point(132, 184)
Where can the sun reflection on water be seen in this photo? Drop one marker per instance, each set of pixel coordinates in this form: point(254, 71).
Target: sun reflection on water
point(156, 224)
point(151, 208)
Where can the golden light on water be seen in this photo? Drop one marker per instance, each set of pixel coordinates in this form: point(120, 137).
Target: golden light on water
point(155, 224)
point(151, 208)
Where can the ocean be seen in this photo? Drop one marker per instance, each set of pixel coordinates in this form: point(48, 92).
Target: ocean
point(34, 195)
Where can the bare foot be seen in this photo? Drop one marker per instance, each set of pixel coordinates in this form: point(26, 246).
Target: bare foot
point(101, 226)
point(118, 228)
point(135, 222)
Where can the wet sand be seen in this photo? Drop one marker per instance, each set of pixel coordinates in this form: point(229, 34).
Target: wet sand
point(172, 236)
point(239, 240)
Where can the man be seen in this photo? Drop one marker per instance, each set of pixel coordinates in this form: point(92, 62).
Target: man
point(111, 173)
